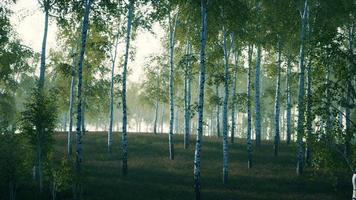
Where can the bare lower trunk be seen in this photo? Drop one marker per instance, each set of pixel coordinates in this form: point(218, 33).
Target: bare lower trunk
point(218, 111)
point(249, 129)
point(83, 116)
point(162, 118)
point(156, 117)
point(71, 107)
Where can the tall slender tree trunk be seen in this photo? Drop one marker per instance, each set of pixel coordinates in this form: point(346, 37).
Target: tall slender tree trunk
point(257, 97)
point(177, 121)
point(124, 106)
point(201, 101)
point(249, 125)
point(348, 94)
point(79, 90)
point(44, 46)
point(65, 121)
point(187, 99)
point(309, 116)
point(40, 88)
point(156, 117)
point(225, 114)
point(217, 110)
point(172, 29)
point(277, 100)
point(234, 98)
point(111, 112)
point(83, 114)
point(300, 128)
point(71, 106)
point(162, 117)
point(289, 101)
point(211, 123)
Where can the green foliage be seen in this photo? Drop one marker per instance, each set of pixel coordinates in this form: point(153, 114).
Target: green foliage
point(61, 174)
point(14, 160)
point(38, 120)
point(327, 156)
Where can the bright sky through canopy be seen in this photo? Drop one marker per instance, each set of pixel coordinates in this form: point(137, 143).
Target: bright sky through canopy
point(28, 20)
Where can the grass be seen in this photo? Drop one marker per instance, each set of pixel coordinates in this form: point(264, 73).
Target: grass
point(153, 176)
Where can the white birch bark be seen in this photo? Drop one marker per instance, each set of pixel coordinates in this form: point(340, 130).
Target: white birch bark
point(197, 154)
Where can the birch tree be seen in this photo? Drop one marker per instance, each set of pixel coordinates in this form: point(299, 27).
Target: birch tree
point(249, 129)
point(258, 75)
point(71, 107)
point(124, 75)
point(85, 28)
point(234, 95)
point(172, 29)
point(300, 128)
point(277, 99)
point(198, 146)
point(225, 112)
point(289, 103)
point(111, 120)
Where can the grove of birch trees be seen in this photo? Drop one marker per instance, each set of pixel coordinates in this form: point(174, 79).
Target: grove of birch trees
point(246, 72)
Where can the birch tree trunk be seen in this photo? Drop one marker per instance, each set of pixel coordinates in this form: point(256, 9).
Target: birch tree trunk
point(71, 106)
point(234, 98)
point(201, 101)
point(44, 46)
point(257, 97)
point(300, 126)
point(162, 117)
point(348, 95)
point(79, 96)
point(277, 101)
point(177, 121)
point(225, 112)
point(289, 102)
point(124, 106)
point(156, 117)
point(172, 29)
point(40, 88)
point(309, 115)
point(249, 129)
point(80, 76)
point(217, 110)
point(83, 114)
point(187, 99)
point(111, 112)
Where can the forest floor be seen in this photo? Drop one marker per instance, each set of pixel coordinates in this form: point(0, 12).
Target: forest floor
point(152, 175)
